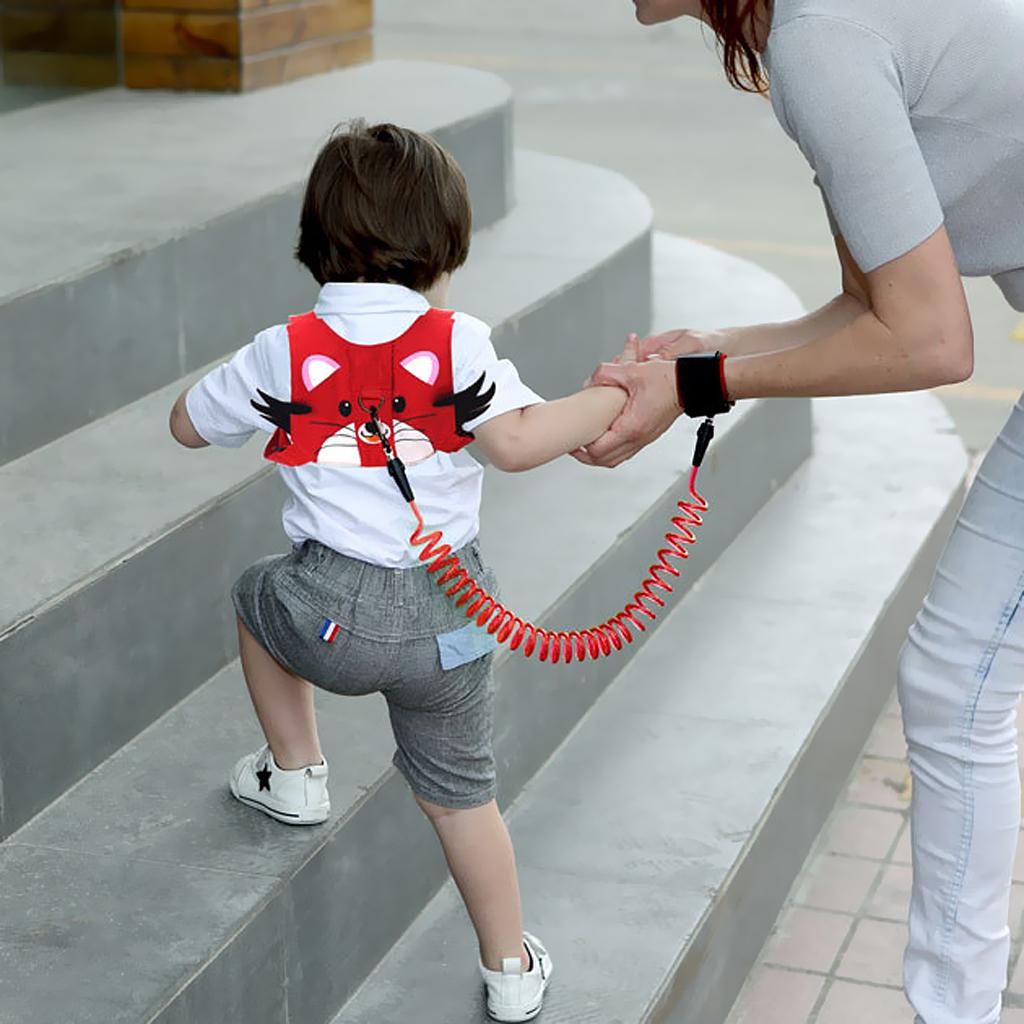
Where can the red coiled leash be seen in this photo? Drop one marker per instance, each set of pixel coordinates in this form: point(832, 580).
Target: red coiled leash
point(559, 645)
point(564, 645)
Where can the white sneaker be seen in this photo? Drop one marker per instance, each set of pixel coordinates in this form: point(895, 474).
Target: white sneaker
point(297, 796)
point(514, 994)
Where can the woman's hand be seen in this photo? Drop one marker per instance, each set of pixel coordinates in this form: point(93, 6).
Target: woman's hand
point(666, 346)
point(679, 343)
point(651, 408)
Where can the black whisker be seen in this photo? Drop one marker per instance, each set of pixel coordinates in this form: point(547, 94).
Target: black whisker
point(469, 403)
point(277, 412)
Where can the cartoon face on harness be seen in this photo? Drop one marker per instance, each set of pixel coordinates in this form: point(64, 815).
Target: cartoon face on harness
point(339, 387)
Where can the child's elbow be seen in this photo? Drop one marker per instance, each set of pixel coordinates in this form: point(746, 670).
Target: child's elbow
point(182, 430)
point(507, 444)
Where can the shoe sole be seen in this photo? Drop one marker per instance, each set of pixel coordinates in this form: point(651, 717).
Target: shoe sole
point(285, 817)
point(527, 1015)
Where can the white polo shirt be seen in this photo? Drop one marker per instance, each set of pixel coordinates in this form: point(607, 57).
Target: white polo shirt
point(358, 511)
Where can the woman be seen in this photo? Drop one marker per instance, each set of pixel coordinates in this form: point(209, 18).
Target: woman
point(912, 117)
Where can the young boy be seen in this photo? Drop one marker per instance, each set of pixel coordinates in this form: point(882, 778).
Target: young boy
point(385, 222)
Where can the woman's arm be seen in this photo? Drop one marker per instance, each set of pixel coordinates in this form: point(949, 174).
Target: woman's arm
point(526, 438)
point(753, 340)
point(915, 333)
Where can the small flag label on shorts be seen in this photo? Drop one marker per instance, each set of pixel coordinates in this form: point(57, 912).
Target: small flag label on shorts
point(329, 631)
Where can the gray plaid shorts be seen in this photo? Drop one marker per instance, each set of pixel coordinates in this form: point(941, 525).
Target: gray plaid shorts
point(398, 634)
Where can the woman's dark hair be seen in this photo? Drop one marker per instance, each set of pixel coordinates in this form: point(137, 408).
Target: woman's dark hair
point(384, 203)
point(733, 23)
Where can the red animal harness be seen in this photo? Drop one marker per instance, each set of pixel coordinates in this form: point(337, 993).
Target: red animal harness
point(335, 384)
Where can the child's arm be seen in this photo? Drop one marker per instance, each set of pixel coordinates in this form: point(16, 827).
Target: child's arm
point(218, 409)
point(182, 429)
point(525, 438)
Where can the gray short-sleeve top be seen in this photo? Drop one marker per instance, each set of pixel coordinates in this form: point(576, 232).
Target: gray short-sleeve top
point(911, 115)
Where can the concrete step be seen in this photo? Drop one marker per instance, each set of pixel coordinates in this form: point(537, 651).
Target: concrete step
point(213, 913)
point(657, 845)
point(132, 273)
point(122, 546)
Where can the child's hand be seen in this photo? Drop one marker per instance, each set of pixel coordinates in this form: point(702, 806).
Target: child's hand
point(652, 407)
point(631, 353)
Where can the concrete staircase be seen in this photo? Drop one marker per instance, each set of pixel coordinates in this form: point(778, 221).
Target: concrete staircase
point(660, 801)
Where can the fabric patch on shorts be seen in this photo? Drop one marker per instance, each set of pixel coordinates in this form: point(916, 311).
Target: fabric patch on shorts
point(464, 645)
point(329, 630)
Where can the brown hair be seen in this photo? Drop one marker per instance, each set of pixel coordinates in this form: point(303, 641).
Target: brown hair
point(732, 21)
point(384, 203)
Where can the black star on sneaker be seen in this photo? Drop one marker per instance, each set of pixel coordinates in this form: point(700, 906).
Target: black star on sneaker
point(264, 776)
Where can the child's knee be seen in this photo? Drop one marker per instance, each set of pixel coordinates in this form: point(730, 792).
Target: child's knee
point(440, 814)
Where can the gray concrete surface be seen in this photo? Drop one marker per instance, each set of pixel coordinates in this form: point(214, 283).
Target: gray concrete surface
point(652, 104)
point(327, 904)
point(658, 843)
point(151, 165)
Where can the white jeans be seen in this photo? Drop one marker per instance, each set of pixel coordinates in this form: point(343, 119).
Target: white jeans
point(960, 676)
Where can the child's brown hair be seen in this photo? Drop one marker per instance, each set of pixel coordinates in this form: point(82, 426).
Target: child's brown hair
point(384, 203)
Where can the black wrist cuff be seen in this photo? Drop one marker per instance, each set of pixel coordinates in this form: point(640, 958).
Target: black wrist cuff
point(700, 383)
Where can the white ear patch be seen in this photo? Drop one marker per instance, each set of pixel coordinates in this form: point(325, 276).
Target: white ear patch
point(424, 366)
point(316, 369)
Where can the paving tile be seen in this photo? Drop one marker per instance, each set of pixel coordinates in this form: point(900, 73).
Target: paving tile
point(887, 740)
point(808, 939)
point(875, 953)
point(892, 897)
point(774, 996)
point(837, 883)
point(902, 855)
point(850, 1003)
point(881, 783)
point(863, 832)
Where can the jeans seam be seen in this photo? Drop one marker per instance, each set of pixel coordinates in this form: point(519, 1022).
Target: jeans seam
point(981, 675)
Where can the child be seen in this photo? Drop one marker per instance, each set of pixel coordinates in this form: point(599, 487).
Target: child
point(385, 221)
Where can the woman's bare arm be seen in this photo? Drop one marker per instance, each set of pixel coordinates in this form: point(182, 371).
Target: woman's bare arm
point(915, 332)
point(852, 301)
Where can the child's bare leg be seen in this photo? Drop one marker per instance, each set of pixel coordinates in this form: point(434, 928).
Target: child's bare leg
point(283, 704)
point(479, 853)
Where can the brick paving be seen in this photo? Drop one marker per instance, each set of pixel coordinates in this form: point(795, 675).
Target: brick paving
point(835, 955)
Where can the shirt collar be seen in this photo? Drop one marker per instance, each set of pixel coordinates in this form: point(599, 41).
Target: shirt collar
point(347, 298)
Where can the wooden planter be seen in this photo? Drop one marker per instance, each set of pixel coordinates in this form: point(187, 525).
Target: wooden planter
point(220, 45)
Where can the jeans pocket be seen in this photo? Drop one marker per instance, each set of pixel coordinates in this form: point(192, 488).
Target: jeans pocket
point(461, 646)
